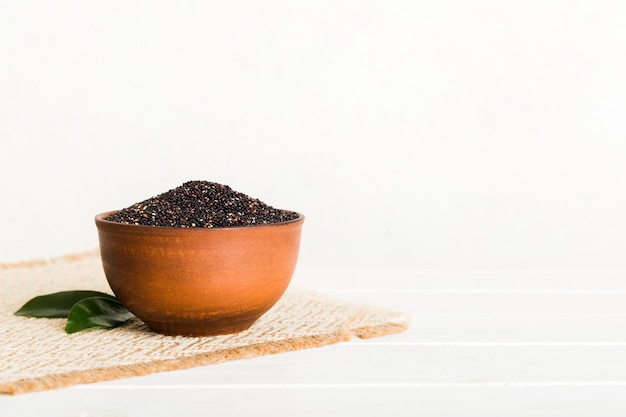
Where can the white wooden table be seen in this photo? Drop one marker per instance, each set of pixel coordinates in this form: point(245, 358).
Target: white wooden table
point(481, 344)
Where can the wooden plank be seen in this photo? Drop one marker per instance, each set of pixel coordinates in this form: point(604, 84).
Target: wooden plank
point(400, 365)
point(445, 280)
point(415, 301)
point(498, 329)
point(307, 401)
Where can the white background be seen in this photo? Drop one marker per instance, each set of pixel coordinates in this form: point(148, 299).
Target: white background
point(422, 135)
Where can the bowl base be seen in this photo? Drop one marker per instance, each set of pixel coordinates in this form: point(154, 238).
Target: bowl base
point(200, 328)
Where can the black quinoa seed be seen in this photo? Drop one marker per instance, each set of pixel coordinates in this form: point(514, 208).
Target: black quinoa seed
point(201, 204)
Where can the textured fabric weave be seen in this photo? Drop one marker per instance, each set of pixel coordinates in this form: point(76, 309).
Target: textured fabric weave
point(36, 354)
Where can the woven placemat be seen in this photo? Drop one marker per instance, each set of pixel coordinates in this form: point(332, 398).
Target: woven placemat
point(36, 354)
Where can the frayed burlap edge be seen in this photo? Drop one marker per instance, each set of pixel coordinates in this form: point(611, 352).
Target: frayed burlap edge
point(244, 352)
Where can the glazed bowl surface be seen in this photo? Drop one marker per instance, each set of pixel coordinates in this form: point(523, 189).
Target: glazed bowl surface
point(198, 281)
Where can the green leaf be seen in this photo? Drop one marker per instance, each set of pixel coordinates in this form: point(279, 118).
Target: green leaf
point(58, 304)
point(96, 312)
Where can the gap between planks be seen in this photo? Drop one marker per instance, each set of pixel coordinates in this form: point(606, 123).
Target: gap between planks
point(392, 385)
point(473, 291)
point(480, 344)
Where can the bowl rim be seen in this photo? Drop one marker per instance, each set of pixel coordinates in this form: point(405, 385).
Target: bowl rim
point(100, 219)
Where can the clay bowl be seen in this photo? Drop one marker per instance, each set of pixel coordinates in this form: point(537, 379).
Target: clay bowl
point(198, 281)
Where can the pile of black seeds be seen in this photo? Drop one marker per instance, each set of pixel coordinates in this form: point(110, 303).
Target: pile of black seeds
point(201, 204)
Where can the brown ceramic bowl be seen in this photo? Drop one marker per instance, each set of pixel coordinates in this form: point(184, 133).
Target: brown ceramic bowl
point(198, 281)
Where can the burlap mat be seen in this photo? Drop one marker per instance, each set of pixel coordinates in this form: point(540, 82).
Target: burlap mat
point(36, 354)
